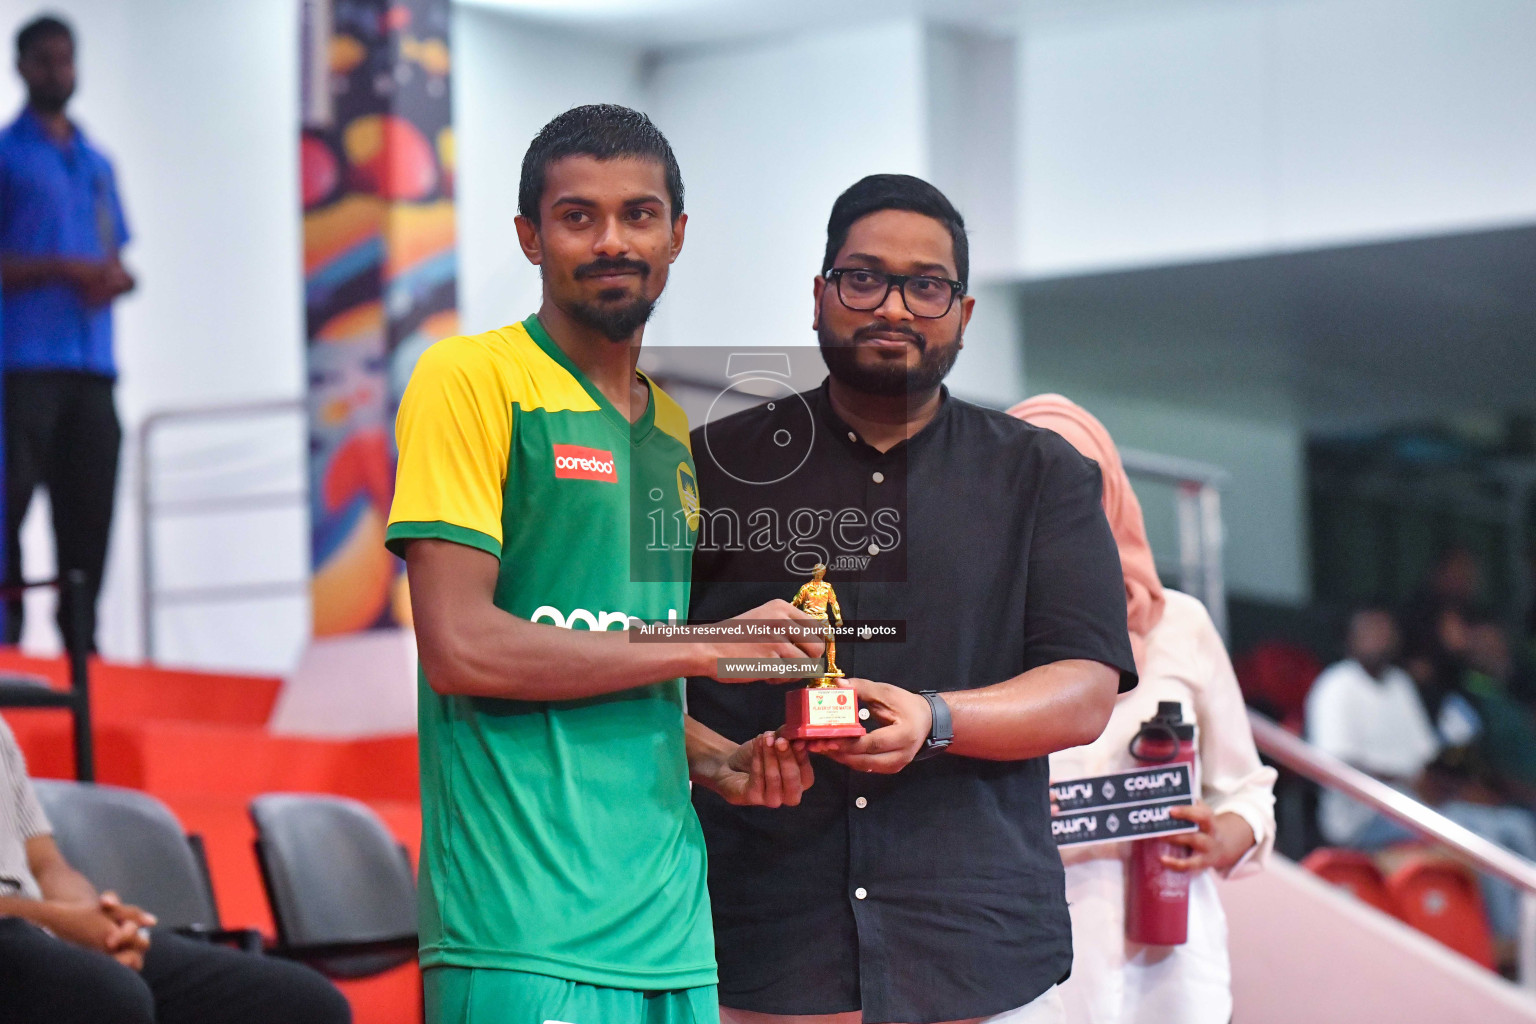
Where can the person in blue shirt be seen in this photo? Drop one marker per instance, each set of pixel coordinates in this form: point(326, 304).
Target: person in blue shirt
point(61, 233)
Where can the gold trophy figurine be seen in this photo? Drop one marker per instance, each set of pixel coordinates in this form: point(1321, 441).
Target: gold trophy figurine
point(824, 709)
point(817, 598)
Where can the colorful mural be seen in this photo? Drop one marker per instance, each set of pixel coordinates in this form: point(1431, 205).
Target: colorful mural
point(376, 170)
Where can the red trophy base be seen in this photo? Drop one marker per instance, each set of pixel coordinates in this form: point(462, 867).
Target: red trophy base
point(820, 713)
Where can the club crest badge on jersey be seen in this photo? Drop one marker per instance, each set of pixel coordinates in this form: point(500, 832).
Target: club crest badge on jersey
point(688, 492)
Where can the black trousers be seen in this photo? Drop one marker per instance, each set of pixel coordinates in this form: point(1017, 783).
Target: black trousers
point(61, 432)
point(43, 979)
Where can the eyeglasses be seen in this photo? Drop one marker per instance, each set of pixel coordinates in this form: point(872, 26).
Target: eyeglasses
point(925, 296)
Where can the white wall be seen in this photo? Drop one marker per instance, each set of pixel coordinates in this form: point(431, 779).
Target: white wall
point(973, 129)
point(197, 105)
point(1264, 506)
point(991, 367)
point(1197, 131)
point(509, 79)
point(1143, 138)
point(196, 102)
point(764, 152)
point(1148, 134)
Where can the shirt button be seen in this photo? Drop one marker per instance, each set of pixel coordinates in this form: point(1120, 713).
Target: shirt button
point(852, 436)
point(874, 549)
point(878, 478)
point(861, 803)
point(859, 893)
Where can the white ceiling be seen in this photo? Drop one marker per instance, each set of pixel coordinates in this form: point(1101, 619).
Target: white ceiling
point(663, 24)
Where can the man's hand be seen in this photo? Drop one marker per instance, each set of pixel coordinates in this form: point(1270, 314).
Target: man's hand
point(132, 933)
point(97, 281)
point(117, 280)
point(88, 277)
point(121, 912)
point(765, 771)
point(905, 721)
point(117, 933)
point(769, 647)
point(1220, 843)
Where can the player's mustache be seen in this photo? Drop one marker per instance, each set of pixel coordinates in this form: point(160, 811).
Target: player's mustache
point(612, 266)
point(865, 333)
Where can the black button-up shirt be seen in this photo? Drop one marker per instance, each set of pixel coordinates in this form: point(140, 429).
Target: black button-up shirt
point(937, 893)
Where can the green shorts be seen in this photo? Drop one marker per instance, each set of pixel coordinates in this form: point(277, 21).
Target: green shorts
point(484, 995)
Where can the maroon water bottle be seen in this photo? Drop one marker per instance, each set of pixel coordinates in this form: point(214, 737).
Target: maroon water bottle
point(1157, 896)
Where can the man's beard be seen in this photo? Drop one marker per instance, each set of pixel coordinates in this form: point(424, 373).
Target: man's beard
point(614, 322)
point(890, 380)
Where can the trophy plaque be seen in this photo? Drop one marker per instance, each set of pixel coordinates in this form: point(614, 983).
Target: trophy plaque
point(826, 709)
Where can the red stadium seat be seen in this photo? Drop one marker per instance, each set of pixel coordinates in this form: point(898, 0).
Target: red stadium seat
point(1440, 898)
point(199, 742)
point(1355, 872)
point(1275, 677)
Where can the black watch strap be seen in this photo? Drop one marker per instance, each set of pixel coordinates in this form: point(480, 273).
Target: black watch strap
point(942, 732)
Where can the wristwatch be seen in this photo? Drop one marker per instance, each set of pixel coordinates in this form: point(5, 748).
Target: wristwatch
point(942, 732)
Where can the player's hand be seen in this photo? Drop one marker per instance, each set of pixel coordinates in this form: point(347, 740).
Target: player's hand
point(1220, 843)
point(768, 647)
point(765, 771)
point(904, 721)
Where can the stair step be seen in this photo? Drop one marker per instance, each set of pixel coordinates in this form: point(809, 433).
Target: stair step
point(136, 692)
point(190, 758)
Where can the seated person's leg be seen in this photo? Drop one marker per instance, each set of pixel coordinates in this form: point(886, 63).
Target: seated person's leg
point(1513, 829)
point(43, 979)
point(1379, 832)
point(200, 983)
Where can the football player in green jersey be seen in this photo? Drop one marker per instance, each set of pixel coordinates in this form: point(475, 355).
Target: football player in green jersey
point(563, 869)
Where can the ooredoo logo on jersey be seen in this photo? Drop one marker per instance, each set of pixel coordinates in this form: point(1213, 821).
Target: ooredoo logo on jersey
point(573, 462)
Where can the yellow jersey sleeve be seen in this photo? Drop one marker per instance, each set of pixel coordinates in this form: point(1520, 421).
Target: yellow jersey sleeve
point(454, 432)
point(670, 417)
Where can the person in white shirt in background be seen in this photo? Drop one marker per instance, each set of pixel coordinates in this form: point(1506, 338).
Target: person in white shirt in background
point(1180, 657)
point(1368, 713)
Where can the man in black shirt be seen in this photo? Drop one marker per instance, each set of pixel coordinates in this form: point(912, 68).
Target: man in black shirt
point(917, 882)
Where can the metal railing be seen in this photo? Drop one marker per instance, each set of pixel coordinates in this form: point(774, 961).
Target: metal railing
point(151, 595)
point(1480, 854)
point(25, 691)
point(1197, 502)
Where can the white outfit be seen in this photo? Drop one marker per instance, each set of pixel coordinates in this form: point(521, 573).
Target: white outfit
point(1115, 981)
point(1046, 1008)
point(1378, 725)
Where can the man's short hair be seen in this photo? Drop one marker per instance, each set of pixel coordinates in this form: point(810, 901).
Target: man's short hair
point(896, 192)
point(35, 31)
point(605, 131)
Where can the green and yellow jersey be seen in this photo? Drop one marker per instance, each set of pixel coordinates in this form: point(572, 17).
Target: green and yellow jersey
point(557, 836)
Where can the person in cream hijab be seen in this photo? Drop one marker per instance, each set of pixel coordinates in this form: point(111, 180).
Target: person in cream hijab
point(1180, 657)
